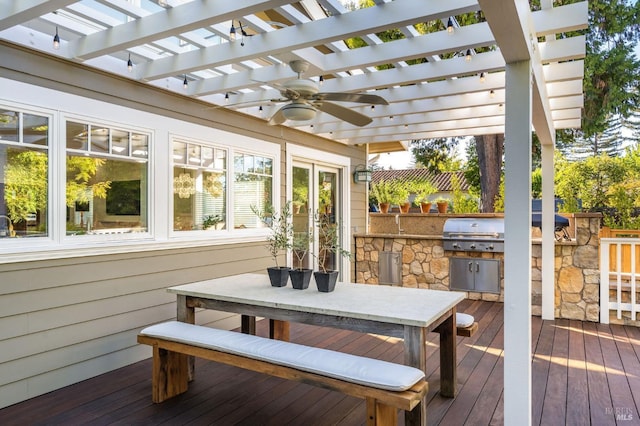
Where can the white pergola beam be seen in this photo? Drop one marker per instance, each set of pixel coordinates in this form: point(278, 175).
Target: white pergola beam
point(313, 33)
point(184, 18)
point(14, 12)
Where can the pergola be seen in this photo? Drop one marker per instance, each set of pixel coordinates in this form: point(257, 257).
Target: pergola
point(527, 78)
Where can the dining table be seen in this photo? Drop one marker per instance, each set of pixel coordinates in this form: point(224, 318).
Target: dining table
point(401, 312)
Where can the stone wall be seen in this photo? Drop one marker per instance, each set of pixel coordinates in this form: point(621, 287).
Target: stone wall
point(425, 264)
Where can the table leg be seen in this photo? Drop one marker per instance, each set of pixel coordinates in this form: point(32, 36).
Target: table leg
point(448, 356)
point(415, 347)
point(248, 324)
point(279, 330)
point(187, 314)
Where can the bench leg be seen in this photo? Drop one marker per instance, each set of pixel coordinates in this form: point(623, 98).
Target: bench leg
point(279, 330)
point(380, 414)
point(170, 375)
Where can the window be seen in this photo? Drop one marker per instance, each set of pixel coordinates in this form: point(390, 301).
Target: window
point(253, 186)
point(106, 180)
point(199, 187)
point(24, 171)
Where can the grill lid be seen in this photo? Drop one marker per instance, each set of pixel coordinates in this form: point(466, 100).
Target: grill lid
point(473, 228)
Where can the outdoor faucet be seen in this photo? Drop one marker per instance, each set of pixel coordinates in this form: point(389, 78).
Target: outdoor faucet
point(400, 230)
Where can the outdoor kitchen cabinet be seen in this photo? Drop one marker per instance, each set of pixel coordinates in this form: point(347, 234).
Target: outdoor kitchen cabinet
point(475, 274)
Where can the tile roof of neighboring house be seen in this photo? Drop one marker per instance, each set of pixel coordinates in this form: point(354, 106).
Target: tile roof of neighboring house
point(442, 181)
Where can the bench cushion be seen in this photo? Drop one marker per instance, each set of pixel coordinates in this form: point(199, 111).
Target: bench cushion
point(464, 320)
point(352, 368)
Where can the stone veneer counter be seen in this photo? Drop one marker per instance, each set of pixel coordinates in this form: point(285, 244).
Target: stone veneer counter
point(425, 263)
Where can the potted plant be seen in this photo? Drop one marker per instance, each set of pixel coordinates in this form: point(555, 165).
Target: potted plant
point(443, 204)
point(211, 221)
point(328, 244)
point(424, 188)
point(300, 276)
point(401, 189)
point(279, 240)
point(381, 192)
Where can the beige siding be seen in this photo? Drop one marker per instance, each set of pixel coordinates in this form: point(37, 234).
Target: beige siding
point(64, 320)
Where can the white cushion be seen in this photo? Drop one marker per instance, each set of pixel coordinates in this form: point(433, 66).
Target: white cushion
point(356, 369)
point(464, 320)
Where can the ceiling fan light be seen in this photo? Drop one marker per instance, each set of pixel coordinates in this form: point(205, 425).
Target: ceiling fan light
point(298, 112)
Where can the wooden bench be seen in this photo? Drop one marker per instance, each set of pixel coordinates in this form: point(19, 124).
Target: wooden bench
point(385, 386)
point(465, 325)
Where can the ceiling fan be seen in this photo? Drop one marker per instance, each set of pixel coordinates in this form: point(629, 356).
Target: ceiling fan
point(305, 99)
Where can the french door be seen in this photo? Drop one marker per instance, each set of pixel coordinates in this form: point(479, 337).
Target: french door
point(315, 202)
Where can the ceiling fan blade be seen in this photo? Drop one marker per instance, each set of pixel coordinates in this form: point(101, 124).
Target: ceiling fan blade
point(363, 98)
point(343, 113)
point(277, 118)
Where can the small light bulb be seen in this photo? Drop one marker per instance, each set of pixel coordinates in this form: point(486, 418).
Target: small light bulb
point(492, 94)
point(450, 26)
point(482, 77)
point(226, 97)
point(129, 63)
point(468, 55)
point(56, 40)
point(185, 83)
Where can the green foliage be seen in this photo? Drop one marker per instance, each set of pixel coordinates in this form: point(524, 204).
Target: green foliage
point(25, 183)
point(394, 191)
point(624, 197)
point(300, 245)
point(80, 173)
point(437, 155)
point(279, 240)
point(423, 189)
point(498, 203)
point(328, 240)
point(463, 201)
point(536, 183)
point(211, 220)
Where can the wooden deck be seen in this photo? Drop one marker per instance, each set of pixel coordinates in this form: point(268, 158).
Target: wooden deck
point(583, 373)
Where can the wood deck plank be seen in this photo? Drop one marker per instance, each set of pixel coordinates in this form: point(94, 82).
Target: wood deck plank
point(578, 396)
point(599, 366)
point(599, 394)
point(554, 407)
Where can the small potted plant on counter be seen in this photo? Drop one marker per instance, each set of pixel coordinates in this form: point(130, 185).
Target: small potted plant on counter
point(279, 239)
point(328, 245)
point(424, 188)
point(443, 204)
point(300, 276)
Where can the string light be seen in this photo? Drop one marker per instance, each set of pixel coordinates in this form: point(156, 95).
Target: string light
point(482, 77)
point(450, 25)
point(492, 94)
point(321, 80)
point(129, 63)
point(56, 40)
point(468, 55)
point(226, 97)
point(185, 83)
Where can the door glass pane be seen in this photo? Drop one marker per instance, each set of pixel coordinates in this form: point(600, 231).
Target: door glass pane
point(327, 221)
point(301, 218)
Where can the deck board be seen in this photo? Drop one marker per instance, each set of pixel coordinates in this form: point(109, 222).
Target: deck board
point(582, 373)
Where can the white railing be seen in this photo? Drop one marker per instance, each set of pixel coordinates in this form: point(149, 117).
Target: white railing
point(618, 270)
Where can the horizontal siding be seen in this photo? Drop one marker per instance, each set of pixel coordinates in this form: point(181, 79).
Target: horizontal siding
point(68, 320)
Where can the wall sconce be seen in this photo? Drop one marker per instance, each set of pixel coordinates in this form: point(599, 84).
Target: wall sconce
point(361, 174)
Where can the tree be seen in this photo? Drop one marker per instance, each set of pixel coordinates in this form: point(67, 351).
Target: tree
point(489, 149)
point(436, 155)
point(612, 74)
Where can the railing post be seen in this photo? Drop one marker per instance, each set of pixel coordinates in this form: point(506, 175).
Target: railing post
point(604, 281)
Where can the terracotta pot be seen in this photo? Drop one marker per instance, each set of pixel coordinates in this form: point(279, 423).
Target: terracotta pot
point(404, 208)
point(442, 207)
point(384, 207)
point(425, 207)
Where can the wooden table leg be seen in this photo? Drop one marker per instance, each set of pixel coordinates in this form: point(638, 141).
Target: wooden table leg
point(415, 347)
point(186, 313)
point(248, 324)
point(279, 330)
point(448, 356)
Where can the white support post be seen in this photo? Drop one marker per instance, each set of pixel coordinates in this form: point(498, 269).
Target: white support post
point(517, 241)
point(548, 235)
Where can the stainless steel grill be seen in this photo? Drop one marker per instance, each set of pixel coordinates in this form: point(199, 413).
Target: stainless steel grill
point(474, 234)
